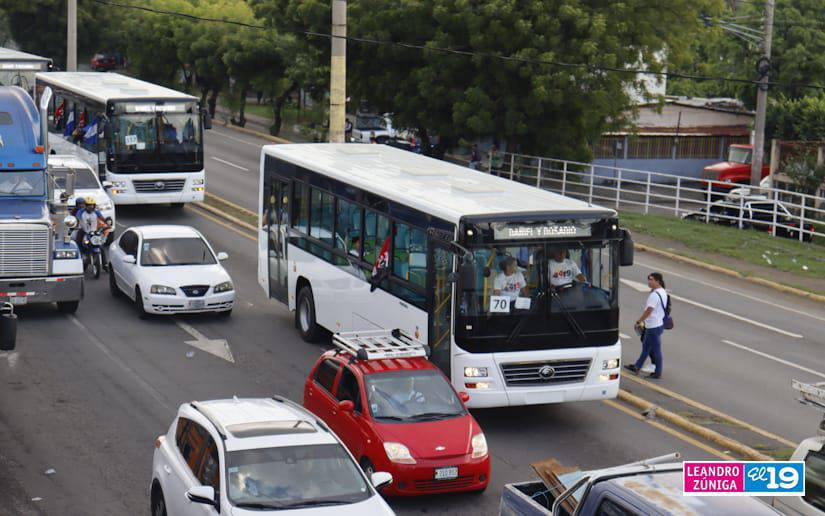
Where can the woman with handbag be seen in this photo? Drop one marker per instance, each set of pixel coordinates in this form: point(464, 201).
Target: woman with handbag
point(654, 320)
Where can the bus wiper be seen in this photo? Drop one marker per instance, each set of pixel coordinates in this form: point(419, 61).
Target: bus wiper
point(568, 316)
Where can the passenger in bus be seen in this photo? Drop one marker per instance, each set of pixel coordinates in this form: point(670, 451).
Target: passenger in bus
point(355, 246)
point(510, 281)
point(563, 270)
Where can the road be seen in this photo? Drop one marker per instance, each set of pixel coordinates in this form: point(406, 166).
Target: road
point(87, 395)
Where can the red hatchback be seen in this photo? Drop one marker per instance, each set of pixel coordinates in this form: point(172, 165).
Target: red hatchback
point(402, 416)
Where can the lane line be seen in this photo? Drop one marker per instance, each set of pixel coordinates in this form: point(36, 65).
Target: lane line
point(219, 160)
point(710, 410)
point(117, 361)
point(775, 359)
point(256, 145)
point(221, 223)
point(731, 291)
point(644, 288)
point(664, 428)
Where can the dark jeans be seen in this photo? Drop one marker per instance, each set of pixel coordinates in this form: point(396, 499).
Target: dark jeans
point(652, 346)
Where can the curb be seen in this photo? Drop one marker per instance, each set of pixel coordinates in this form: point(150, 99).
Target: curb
point(231, 204)
point(688, 426)
point(224, 215)
point(728, 272)
point(252, 132)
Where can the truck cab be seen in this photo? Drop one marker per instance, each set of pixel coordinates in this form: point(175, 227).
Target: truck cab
point(735, 171)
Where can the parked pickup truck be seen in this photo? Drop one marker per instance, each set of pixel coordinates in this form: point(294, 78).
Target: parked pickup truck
point(650, 487)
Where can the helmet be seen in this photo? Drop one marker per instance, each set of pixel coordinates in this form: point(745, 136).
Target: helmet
point(79, 200)
point(90, 201)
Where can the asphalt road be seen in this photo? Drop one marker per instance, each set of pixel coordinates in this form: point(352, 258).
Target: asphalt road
point(86, 395)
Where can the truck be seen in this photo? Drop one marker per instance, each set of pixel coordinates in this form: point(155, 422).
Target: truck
point(812, 452)
point(653, 486)
point(734, 172)
point(39, 262)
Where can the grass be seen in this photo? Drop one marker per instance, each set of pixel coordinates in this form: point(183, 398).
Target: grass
point(751, 246)
point(243, 215)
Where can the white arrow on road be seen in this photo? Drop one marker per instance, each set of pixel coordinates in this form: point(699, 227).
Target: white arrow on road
point(644, 288)
point(217, 347)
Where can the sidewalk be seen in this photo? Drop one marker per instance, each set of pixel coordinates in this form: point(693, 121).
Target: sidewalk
point(260, 124)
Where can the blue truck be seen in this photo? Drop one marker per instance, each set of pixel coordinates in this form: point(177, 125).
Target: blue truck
point(39, 262)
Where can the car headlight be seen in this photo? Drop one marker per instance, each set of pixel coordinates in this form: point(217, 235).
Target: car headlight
point(226, 286)
point(65, 254)
point(475, 372)
point(479, 446)
point(162, 290)
point(613, 363)
point(198, 182)
point(399, 453)
point(105, 205)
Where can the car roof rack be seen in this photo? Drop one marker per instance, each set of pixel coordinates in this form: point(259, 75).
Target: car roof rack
point(380, 344)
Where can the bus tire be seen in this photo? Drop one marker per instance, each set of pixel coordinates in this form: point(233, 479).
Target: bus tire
point(305, 316)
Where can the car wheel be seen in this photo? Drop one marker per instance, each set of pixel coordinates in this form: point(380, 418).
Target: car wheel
point(67, 307)
point(305, 316)
point(158, 504)
point(113, 288)
point(367, 467)
point(141, 312)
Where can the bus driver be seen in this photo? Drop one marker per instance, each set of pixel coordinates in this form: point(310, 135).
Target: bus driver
point(563, 270)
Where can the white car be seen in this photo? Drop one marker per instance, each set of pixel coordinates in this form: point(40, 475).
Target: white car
point(86, 183)
point(169, 270)
point(254, 456)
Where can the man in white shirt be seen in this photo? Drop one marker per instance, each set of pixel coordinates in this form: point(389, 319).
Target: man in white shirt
point(563, 270)
point(510, 281)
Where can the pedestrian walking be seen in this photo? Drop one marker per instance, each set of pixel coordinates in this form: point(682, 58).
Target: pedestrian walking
point(651, 324)
point(260, 95)
point(475, 158)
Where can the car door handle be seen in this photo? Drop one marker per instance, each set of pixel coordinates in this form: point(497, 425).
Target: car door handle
point(167, 469)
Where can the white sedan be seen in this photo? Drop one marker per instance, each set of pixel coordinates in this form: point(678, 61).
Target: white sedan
point(169, 270)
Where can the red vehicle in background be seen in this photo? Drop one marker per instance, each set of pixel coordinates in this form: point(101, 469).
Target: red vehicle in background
point(735, 171)
point(397, 412)
point(103, 62)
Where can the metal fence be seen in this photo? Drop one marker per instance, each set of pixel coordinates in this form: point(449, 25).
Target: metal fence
point(780, 212)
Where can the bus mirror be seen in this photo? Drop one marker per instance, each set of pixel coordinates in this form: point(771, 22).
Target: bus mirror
point(468, 276)
point(626, 249)
point(207, 120)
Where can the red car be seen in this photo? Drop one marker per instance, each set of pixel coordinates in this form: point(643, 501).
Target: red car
point(734, 172)
point(103, 62)
point(402, 416)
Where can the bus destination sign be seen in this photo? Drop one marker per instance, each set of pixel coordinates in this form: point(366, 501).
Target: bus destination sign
point(135, 107)
point(535, 231)
point(20, 66)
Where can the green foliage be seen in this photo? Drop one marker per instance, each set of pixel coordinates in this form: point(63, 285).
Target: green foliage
point(796, 119)
point(806, 173)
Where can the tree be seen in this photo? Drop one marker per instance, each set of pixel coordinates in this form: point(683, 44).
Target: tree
point(800, 119)
point(806, 174)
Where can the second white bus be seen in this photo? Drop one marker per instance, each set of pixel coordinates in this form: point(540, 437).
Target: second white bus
point(356, 237)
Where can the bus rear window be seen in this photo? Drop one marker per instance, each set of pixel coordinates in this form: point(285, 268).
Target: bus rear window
point(5, 118)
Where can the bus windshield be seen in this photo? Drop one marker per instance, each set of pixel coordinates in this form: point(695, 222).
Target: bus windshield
point(156, 142)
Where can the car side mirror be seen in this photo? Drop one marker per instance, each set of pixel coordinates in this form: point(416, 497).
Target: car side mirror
point(464, 397)
point(129, 259)
point(222, 256)
point(626, 249)
point(380, 480)
point(346, 406)
point(106, 184)
point(202, 494)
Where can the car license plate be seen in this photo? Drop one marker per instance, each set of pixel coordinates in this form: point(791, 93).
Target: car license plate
point(19, 300)
point(198, 303)
point(446, 473)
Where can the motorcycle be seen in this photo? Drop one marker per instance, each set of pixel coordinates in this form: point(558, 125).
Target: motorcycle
point(92, 251)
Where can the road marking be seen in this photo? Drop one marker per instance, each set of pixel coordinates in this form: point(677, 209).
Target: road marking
point(219, 160)
point(709, 410)
point(731, 291)
point(11, 357)
point(218, 347)
point(664, 428)
point(221, 223)
point(256, 145)
point(775, 359)
point(644, 288)
point(111, 356)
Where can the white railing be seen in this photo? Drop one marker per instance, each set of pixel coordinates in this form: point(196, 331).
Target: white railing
point(645, 191)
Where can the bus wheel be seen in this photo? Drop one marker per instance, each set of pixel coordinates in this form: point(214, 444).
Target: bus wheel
point(305, 316)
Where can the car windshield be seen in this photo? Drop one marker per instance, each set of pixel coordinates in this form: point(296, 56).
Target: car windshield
point(369, 122)
point(519, 279)
point(84, 179)
point(412, 396)
point(30, 182)
point(739, 155)
point(157, 141)
point(294, 476)
point(157, 252)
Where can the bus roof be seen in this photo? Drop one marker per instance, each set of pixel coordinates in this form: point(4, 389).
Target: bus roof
point(442, 189)
point(7, 54)
point(104, 87)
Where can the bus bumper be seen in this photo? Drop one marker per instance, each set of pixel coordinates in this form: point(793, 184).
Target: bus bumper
point(157, 198)
point(23, 291)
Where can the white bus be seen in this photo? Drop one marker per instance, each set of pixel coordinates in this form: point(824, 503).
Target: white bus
point(464, 265)
point(145, 141)
point(18, 68)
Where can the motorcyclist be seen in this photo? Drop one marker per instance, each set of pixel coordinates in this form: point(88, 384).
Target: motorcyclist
point(90, 220)
point(79, 205)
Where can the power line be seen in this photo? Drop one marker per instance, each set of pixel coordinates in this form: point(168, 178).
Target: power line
point(466, 53)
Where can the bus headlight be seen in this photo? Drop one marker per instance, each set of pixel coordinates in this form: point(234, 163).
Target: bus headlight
point(613, 363)
point(119, 187)
point(475, 372)
point(198, 181)
point(399, 453)
point(479, 446)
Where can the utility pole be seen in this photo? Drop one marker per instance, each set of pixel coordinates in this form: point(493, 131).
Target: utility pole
point(71, 37)
point(763, 67)
point(338, 73)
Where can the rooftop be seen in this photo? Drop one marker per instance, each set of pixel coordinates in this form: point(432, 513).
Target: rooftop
point(104, 87)
point(7, 54)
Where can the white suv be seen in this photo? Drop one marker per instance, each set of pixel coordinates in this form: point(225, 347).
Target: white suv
point(248, 456)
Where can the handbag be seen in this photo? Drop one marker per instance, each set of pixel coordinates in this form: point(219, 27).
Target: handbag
point(667, 322)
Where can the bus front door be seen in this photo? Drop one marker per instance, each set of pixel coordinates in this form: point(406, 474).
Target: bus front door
point(278, 227)
point(439, 266)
